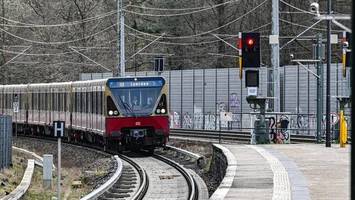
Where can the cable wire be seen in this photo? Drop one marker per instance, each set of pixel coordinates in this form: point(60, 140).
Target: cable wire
point(203, 33)
point(195, 43)
point(299, 9)
point(179, 9)
point(57, 43)
point(31, 54)
point(305, 26)
point(178, 14)
point(27, 25)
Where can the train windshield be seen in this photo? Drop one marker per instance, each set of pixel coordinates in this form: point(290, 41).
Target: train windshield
point(136, 97)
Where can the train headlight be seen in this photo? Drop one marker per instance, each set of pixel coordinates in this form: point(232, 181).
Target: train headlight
point(163, 110)
point(158, 111)
point(115, 112)
point(110, 112)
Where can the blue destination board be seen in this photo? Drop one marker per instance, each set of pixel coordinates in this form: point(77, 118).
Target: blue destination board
point(133, 84)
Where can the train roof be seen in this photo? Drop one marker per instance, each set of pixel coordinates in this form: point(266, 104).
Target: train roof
point(95, 82)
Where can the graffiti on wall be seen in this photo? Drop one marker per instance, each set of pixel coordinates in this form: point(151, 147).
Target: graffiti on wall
point(209, 120)
point(279, 132)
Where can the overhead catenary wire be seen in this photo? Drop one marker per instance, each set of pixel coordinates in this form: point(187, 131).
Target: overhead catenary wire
point(178, 14)
point(45, 54)
point(19, 24)
point(203, 33)
point(299, 9)
point(195, 43)
point(178, 9)
point(57, 43)
point(305, 26)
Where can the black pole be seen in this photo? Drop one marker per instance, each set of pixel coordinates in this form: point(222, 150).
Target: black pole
point(352, 111)
point(329, 60)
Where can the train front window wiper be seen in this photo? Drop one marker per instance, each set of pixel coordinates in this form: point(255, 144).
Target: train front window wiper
point(126, 106)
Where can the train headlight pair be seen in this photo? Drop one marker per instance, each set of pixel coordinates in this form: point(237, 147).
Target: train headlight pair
point(162, 111)
point(111, 112)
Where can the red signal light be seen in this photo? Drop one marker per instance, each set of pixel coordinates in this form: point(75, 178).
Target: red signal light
point(250, 42)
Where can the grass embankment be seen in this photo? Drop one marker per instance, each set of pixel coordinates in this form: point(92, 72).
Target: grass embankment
point(10, 178)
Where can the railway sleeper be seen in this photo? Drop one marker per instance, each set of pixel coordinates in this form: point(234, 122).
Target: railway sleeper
point(112, 194)
point(120, 190)
point(124, 186)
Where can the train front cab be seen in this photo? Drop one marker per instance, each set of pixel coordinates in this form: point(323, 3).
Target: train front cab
point(137, 112)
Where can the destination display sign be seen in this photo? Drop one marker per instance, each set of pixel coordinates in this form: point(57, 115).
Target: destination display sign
point(130, 84)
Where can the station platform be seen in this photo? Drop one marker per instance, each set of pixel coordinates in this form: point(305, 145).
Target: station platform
point(290, 171)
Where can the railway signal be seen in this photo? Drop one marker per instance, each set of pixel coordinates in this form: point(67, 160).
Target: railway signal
point(250, 46)
point(252, 82)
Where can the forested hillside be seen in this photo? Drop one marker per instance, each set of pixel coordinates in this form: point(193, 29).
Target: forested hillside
point(56, 40)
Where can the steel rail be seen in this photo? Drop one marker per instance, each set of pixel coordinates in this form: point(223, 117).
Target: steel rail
point(193, 191)
point(144, 184)
point(142, 190)
point(238, 136)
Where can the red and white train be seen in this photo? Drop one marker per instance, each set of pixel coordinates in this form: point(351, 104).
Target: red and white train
point(122, 113)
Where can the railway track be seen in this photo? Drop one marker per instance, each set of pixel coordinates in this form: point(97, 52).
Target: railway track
point(235, 136)
point(193, 192)
point(133, 183)
point(137, 181)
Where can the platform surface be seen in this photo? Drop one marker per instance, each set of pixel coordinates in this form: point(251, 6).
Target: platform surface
point(290, 171)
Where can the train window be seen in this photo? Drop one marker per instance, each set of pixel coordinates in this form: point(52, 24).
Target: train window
point(101, 105)
point(37, 101)
point(75, 102)
point(80, 102)
point(7, 101)
point(65, 102)
point(22, 101)
point(45, 100)
point(89, 102)
point(98, 103)
point(32, 101)
point(56, 101)
point(39, 105)
point(84, 103)
point(93, 104)
point(52, 101)
point(60, 102)
point(56, 105)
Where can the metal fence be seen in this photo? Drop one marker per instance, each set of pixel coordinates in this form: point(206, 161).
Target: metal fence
point(5, 141)
point(198, 96)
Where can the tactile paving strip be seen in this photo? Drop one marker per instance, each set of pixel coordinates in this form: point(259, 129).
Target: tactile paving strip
point(282, 189)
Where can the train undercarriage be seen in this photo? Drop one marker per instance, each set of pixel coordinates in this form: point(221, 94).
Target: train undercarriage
point(131, 139)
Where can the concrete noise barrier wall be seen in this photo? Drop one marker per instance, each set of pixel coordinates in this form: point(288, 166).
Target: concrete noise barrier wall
point(5, 141)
